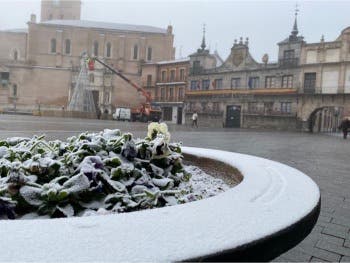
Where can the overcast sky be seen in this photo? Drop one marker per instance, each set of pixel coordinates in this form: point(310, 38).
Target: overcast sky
point(264, 22)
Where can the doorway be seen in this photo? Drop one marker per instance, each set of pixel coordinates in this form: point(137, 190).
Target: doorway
point(233, 116)
point(179, 115)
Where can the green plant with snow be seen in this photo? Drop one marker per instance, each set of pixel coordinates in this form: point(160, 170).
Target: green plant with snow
point(106, 171)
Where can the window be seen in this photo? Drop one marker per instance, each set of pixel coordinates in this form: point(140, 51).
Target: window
point(192, 106)
point(181, 93)
point(288, 54)
point(108, 50)
point(50, 17)
point(235, 83)
point(252, 107)
point(95, 49)
point(91, 78)
point(286, 107)
point(149, 80)
point(162, 94)
point(167, 113)
point(4, 78)
point(287, 81)
point(196, 64)
point(204, 106)
point(217, 84)
point(149, 54)
point(216, 107)
point(182, 74)
point(270, 82)
point(53, 45)
point(195, 85)
point(14, 91)
point(61, 17)
point(253, 82)
point(67, 49)
point(15, 55)
point(171, 93)
point(268, 107)
point(205, 84)
point(172, 75)
point(309, 82)
point(163, 75)
point(135, 52)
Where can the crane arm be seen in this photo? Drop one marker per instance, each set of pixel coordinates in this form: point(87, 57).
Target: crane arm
point(118, 73)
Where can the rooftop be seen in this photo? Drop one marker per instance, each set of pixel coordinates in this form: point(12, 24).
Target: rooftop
point(106, 25)
point(15, 30)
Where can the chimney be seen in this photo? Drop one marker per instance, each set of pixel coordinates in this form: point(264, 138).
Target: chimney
point(33, 18)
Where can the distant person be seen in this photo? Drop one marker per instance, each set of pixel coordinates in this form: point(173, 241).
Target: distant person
point(98, 113)
point(195, 119)
point(345, 126)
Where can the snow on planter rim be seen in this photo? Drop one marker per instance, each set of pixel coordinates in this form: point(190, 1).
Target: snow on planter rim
point(271, 197)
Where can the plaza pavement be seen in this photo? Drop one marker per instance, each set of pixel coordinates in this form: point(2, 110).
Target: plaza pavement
point(326, 159)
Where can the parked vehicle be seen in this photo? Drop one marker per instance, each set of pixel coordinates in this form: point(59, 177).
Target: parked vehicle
point(122, 114)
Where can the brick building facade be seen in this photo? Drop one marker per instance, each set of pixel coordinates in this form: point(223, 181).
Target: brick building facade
point(167, 82)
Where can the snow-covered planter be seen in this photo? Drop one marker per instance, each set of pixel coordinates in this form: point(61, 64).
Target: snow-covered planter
point(273, 208)
point(96, 173)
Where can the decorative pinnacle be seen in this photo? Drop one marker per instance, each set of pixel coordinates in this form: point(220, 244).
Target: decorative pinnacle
point(203, 45)
point(322, 38)
point(295, 27)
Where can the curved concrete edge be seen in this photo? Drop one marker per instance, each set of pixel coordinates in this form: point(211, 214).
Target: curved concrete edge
point(270, 247)
point(273, 200)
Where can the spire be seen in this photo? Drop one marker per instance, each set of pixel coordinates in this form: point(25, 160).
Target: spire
point(295, 27)
point(203, 40)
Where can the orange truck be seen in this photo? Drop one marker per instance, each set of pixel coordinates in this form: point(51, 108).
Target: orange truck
point(146, 111)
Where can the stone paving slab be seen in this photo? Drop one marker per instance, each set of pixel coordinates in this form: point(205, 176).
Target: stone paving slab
point(345, 259)
point(341, 250)
point(324, 158)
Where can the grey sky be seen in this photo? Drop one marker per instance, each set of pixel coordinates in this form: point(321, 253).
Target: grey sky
point(264, 22)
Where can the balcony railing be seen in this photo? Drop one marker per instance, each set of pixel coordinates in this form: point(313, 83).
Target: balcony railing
point(309, 90)
point(289, 62)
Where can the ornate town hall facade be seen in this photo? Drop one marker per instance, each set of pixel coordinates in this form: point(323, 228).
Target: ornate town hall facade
point(308, 88)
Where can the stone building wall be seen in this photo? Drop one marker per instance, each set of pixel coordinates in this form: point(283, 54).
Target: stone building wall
point(59, 63)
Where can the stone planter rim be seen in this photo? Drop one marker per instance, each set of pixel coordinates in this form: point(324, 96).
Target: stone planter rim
point(271, 198)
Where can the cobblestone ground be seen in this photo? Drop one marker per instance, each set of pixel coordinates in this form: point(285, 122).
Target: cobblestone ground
point(325, 158)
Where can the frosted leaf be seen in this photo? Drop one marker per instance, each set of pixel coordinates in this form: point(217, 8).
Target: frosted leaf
point(107, 133)
point(77, 184)
point(171, 200)
point(157, 170)
point(16, 140)
point(164, 182)
point(160, 147)
point(92, 205)
point(67, 210)
point(138, 189)
point(3, 151)
point(32, 195)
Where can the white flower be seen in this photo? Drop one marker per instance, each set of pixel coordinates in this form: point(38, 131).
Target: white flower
point(155, 128)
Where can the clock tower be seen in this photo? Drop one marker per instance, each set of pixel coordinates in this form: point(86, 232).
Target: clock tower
point(60, 10)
